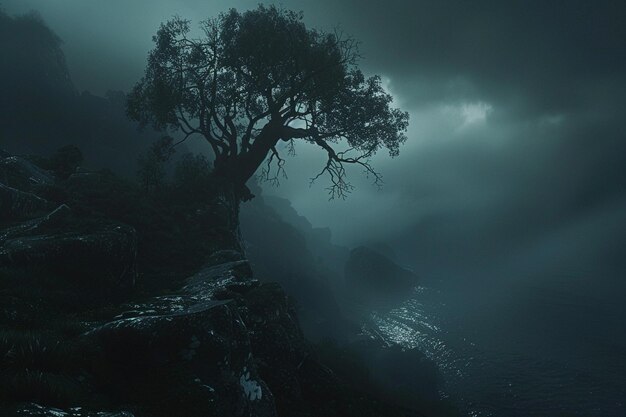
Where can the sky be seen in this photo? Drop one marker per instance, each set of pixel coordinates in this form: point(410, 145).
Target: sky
point(516, 157)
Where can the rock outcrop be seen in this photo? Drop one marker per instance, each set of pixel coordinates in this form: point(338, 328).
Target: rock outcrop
point(83, 338)
point(198, 332)
point(89, 253)
point(100, 257)
point(368, 271)
point(282, 248)
point(19, 172)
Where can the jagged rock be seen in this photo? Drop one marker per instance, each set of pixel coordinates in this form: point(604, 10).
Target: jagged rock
point(55, 218)
point(222, 345)
point(218, 280)
point(22, 174)
point(233, 340)
point(18, 205)
point(279, 351)
point(35, 410)
point(302, 385)
point(283, 247)
point(222, 256)
point(278, 344)
point(373, 272)
point(101, 256)
point(204, 339)
point(212, 283)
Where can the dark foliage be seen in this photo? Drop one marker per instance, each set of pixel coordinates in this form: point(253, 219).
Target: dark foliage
point(261, 77)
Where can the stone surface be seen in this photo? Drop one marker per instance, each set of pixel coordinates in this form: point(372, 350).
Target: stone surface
point(204, 338)
point(219, 344)
point(223, 256)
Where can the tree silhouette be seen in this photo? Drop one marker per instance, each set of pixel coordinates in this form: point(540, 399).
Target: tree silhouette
point(259, 77)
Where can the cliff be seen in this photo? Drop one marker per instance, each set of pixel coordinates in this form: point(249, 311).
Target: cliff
point(41, 109)
point(117, 303)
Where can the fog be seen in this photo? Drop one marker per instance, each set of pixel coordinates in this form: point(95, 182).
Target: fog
point(516, 136)
point(515, 164)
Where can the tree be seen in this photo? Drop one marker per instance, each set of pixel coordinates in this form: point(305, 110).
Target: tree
point(260, 77)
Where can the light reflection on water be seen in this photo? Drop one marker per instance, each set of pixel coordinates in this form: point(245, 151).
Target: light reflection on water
point(550, 358)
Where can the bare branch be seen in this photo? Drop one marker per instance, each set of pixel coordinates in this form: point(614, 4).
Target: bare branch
point(270, 175)
point(336, 170)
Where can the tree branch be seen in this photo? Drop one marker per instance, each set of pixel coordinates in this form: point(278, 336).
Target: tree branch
point(266, 171)
point(336, 170)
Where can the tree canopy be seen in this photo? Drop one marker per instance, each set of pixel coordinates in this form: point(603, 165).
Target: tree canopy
point(256, 78)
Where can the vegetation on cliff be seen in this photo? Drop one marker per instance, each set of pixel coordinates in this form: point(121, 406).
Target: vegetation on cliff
point(137, 299)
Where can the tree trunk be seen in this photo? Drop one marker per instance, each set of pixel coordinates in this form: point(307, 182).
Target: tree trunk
point(233, 172)
point(238, 169)
point(229, 199)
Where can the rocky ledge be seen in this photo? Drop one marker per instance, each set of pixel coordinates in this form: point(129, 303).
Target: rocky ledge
point(78, 338)
point(223, 345)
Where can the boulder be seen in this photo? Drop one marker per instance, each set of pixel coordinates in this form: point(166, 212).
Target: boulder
point(374, 274)
point(218, 281)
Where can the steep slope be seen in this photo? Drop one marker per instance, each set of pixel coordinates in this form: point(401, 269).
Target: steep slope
point(282, 252)
point(40, 110)
point(77, 338)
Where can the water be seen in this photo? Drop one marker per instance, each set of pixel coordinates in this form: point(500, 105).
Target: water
point(521, 350)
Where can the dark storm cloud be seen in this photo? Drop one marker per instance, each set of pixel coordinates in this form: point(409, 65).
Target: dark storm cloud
point(516, 142)
point(489, 204)
point(482, 193)
point(543, 52)
point(552, 150)
point(538, 54)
